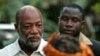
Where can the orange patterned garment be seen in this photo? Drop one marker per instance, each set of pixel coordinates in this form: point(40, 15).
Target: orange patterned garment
point(49, 50)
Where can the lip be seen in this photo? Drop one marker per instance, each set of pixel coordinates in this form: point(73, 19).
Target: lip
point(33, 39)
point(69, 31)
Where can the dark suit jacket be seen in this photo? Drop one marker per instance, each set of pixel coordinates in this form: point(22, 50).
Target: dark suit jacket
point(95, 47)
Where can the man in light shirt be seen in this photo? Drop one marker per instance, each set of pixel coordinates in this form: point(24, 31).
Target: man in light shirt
point(30, 29)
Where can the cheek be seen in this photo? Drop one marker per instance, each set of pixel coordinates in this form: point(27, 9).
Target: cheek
point(62, 24)
point(24, 32)
point(40, 31)
point(78, 28)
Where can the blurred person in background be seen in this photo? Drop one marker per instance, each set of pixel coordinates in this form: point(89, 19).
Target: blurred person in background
point(30, 29)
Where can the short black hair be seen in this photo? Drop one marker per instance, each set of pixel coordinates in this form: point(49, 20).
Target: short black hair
point(73, 5)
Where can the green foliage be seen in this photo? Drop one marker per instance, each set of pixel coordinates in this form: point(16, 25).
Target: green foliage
point(34, 2)
point(96, 7)
point(49, 26)
point(8, 10)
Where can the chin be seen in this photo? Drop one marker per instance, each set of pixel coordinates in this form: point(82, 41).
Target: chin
point(34, 44)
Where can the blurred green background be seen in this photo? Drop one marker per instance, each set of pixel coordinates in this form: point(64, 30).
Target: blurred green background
point(50, 10)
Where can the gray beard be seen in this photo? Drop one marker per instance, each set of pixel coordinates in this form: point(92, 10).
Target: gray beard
point(34, 44)
point(29, 43)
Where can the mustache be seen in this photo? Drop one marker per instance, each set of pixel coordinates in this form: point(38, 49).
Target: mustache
point(33, 36)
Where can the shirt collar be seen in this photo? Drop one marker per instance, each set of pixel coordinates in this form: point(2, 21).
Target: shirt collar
point(17, 48)
point(41, 46)
point(84, 39)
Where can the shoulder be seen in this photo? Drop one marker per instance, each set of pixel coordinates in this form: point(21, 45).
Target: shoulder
point(95, 47)
point(95, 43)
point(86, 50)
point(6, 50)
point(9, 50)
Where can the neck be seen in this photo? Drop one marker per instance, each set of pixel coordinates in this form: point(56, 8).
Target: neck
point(28, 50)
point(77, 36)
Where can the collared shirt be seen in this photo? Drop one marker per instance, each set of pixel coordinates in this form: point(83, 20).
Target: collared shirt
point(84, 39)
point(15, 50)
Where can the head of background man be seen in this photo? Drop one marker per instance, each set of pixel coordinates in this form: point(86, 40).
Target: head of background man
point(71, 20)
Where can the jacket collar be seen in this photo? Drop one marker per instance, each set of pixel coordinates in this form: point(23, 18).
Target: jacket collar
point(84, 39)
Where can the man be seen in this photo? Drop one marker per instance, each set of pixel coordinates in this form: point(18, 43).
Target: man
point(30, 29)
point(71, 22)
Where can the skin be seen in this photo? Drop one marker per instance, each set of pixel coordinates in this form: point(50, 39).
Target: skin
point(70, 21)
point(29, 28)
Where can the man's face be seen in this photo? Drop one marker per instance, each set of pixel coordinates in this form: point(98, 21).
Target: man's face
point(70, 21)
point(30, 28)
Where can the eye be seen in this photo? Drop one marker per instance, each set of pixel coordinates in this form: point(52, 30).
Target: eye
point(75, 19)
point(26, 26)
point(64, 18)
point(39, 25)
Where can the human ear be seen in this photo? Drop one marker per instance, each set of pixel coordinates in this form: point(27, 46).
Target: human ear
point(16, 27)
point(82, 24)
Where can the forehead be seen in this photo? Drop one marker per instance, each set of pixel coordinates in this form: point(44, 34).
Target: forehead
point(71, 11)
point(30, 16)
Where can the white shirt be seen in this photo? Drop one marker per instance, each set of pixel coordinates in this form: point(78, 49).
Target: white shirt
point(15, 50)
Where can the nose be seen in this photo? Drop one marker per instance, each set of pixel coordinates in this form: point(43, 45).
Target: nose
point(69, 23)
point(34, 30)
